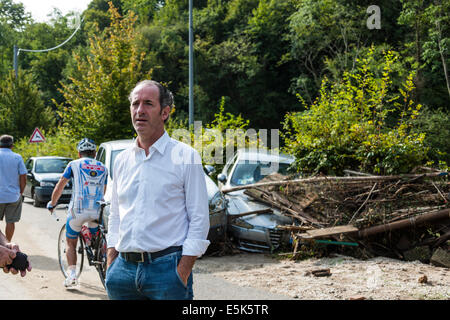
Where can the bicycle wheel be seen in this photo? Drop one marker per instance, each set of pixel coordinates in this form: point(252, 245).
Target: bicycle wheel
point(62, 258)
point(100, 257)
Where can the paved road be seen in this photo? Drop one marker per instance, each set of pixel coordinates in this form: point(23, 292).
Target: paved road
point(37, 234)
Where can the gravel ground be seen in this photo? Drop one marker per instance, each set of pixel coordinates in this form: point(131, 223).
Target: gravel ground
point(379, 278)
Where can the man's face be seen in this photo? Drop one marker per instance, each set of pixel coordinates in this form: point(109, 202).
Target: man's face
point(146, 114)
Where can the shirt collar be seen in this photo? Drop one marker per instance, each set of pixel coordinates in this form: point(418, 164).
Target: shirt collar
point(159, 145)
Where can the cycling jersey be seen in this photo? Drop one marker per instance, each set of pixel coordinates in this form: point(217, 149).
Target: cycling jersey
point(89, 177)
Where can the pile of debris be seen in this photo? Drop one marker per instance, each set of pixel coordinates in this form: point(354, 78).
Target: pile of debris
point(385, 215)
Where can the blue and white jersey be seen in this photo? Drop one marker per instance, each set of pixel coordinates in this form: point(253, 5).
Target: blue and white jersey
point(89, 178)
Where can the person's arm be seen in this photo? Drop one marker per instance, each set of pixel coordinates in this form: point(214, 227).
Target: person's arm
point(15, 248)
point(185, 267)
point(111, 255)
point(6, 254)
point(22, 175)
point(112, 237)
point(6, 257)
point(3, 240)
point(58, 191)
point(22, 182)
point(196, 195)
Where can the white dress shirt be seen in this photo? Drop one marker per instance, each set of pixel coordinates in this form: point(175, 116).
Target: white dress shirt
point(159, 200)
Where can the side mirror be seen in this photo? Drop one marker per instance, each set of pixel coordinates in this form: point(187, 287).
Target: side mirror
point(209, 169)
point(222, 178)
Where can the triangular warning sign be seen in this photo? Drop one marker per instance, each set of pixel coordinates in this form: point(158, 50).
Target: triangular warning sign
point(37, 136)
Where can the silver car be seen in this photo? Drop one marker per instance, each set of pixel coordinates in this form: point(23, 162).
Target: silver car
point(254, 232)
point(107, 153)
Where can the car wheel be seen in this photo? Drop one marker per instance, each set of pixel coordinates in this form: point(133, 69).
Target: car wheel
point(36, 202)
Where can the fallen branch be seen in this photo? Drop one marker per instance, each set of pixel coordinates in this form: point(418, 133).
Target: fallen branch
point(335, 179)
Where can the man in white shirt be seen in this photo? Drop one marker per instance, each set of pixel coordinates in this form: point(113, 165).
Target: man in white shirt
point(159, 219)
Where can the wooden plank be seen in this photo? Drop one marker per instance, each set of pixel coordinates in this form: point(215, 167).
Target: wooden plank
point(311, 234)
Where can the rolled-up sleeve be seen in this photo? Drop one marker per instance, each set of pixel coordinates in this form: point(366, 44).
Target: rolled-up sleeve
point(196, 241)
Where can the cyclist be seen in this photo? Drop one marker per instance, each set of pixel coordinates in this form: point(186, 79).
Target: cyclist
point(89, 184)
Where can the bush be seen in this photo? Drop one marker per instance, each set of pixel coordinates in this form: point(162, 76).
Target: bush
point(21, 106)
point(226, 132)
point(358, 123)
point(436, 126)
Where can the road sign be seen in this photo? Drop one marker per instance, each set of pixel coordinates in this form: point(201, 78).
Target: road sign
point(37, 136)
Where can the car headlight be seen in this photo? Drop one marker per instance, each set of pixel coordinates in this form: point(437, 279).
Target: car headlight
point(217, 203)
point(47, 184)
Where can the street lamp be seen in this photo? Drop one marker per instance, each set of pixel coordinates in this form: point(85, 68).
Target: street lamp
point(17, 49)
point(191, 67)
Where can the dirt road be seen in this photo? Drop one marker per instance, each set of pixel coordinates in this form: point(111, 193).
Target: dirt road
point(237, 277)
point(37, 234)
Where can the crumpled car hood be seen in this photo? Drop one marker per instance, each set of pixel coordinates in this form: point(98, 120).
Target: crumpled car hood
point(241, 203)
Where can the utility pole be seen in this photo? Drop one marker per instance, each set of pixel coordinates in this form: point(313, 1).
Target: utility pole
point(15, 63)
point(191, 67)
point(17, 49)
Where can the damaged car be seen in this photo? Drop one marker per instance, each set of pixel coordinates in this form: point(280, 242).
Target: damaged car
point(253, 224)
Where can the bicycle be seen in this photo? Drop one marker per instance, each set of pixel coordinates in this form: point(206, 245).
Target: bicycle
point(95, 252)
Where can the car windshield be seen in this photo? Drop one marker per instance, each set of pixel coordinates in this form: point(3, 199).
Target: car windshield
point(51, 165)
point(248, 172)
point(113, 158)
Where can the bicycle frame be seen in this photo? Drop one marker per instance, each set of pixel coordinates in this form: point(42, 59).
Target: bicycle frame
point(95, 252)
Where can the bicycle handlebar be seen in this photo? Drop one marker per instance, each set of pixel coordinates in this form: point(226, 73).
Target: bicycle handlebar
point(54, 215)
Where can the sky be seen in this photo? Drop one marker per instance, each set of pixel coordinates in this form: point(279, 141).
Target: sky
point(39, 9)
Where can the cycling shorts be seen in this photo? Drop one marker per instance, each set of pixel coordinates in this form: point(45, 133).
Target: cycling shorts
point(75, 222)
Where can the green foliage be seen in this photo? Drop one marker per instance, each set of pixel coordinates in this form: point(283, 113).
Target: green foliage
point(436, 126)
point(426, 48)
point(255, 54)
point(97, 103)
point(14, 14)
point(144, 9)
point(350, 125)
point(225, 133)
point(21, 106)
point(57, 143)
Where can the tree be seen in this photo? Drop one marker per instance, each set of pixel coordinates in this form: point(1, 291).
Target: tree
point(21, 107)
point(13, 19)
point(47, 67)
point(349, 127)
point(439, 37)
point(97, 103)
point(426, 48)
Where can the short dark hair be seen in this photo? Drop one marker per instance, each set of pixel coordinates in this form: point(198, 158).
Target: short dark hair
point(165, 96)
point(6, 141)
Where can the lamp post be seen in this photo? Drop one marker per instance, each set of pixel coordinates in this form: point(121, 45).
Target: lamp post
point(191, 67)
point(17, 49)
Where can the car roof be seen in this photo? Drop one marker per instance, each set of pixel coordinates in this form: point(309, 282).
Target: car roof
point(264, 155)
point(118, 144)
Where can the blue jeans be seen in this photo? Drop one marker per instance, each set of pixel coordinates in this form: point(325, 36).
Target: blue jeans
point(157, 279)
